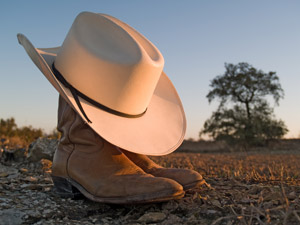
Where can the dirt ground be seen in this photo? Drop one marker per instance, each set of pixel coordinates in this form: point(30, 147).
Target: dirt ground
point(253, 188)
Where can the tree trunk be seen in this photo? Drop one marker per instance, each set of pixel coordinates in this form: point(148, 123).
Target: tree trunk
point(249, 133)
point(248, 111)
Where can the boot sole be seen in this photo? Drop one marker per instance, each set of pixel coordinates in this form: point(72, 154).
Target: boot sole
point(68, 188)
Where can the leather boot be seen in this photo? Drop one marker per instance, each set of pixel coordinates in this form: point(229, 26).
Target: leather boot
point(187, 178)
point(87, 163)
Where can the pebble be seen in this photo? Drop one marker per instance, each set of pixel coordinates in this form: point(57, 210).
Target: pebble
point(3, 174)
point(23, 170)
point(30, 179)
point(171, 205)
point(292, 195)
point(216, 203)
point(11, 216)
point(31, 186)
point(211, 212)
point(152, 217)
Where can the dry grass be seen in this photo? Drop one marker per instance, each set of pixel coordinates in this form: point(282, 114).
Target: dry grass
point(253, 167)
point(243, 188)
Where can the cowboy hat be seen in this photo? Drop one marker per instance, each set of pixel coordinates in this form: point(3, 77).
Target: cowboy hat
point(113, 77)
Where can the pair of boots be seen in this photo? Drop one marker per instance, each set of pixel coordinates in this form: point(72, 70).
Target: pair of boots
point(86, 163)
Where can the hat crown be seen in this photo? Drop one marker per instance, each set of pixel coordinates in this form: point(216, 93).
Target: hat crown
point(110, 62)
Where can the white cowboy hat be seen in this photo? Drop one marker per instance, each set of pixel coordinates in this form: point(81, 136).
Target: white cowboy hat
point(113, 77)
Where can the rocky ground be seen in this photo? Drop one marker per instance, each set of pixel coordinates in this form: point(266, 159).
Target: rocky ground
point(243, 188)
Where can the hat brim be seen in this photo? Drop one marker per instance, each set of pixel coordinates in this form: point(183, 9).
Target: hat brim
point(159, 131)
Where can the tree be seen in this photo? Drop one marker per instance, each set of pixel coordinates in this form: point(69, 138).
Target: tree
point(8, 127)
point(24, 135)
point(244, 114)
point(29, 134)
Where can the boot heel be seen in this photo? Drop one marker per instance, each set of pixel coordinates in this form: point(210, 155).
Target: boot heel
point(63, 188)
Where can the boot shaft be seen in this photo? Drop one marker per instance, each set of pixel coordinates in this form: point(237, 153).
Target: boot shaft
point(79, 142)
point(75, 134)
point(74, 130)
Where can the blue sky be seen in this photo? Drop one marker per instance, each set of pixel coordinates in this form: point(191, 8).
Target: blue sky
point(195, 37)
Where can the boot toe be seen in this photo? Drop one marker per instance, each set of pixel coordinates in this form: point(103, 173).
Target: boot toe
point(187, 178)
point(141, 189)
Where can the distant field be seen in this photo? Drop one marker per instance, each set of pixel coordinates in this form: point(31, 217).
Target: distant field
point(286, 145)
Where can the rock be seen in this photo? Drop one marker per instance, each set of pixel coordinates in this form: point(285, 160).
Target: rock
point(13, 176)
point(6, 171)
point(8, 155)
point(170, 205)
point(47, 180)
point(11, 216)
point(30, 179)
point(20, 154)
point(216, 203)
point(13, 154)
point(31, 186)
point(211, 212)
point(173, 219)
point(47, 212)
point(34, 213)
point(23, 170)
point(42, 148)
point(3, 174)
point(292, 195)
point(152, 217)
point(192, 219)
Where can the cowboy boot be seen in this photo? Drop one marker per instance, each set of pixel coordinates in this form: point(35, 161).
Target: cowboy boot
point(187, 178)
point(87, 163)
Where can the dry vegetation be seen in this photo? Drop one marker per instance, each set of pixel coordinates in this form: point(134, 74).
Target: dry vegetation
point(254, 188)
